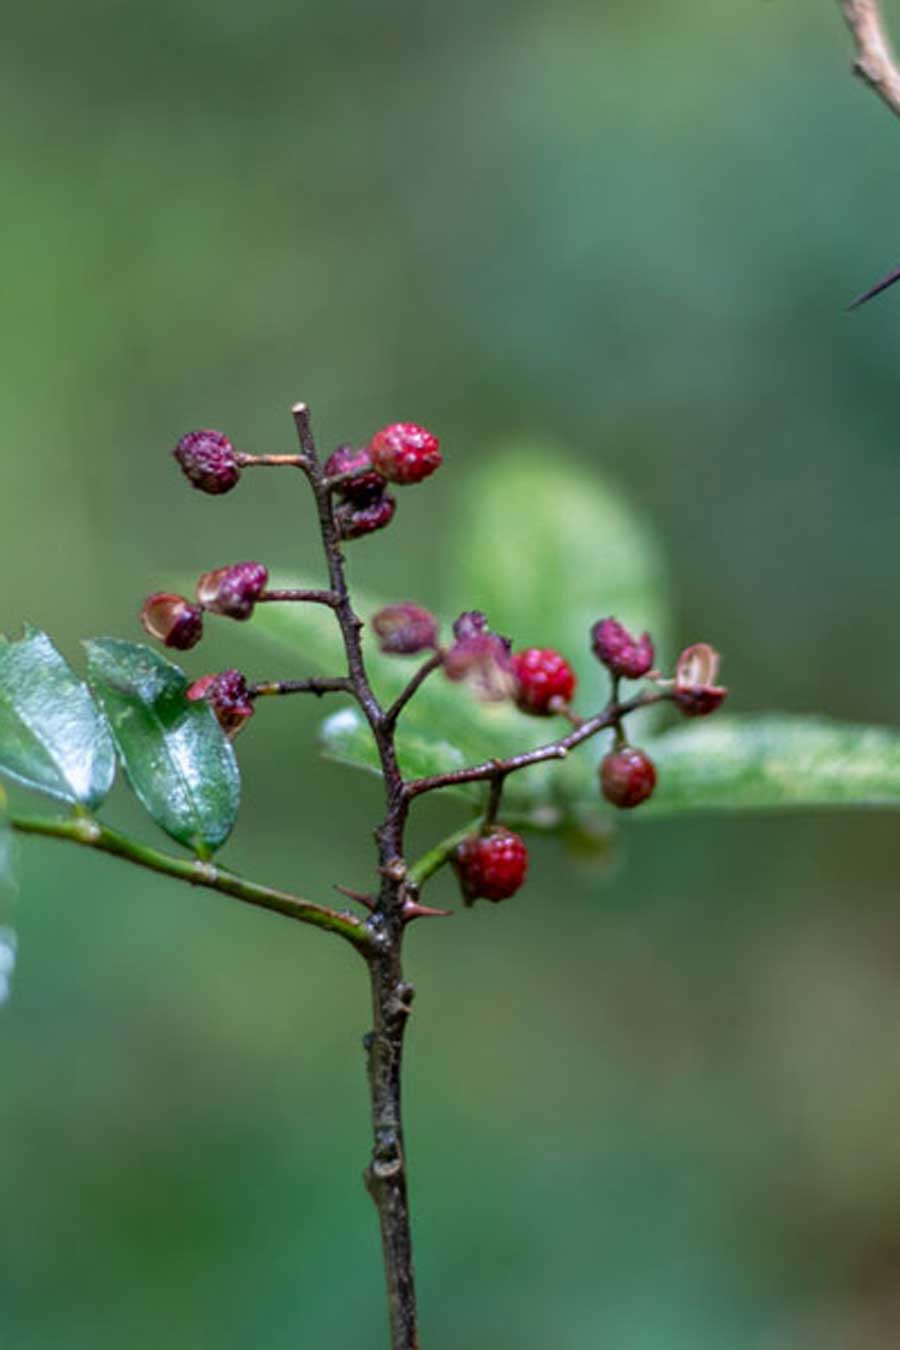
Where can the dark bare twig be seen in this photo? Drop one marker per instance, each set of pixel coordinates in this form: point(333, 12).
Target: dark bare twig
point(313, 597)
point(316, 684)
point(433, 663)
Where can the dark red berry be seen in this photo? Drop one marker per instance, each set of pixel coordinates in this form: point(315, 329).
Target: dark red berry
point(354, 519)
point(405, 453)
point(696, 691)
point(347, 460)
point(491, 866)
point(542, 676)
point(209, 461)
point(228, 696)
point(627, 777)
point(233, 590)
point(172, 620)
point(484, 662)
point(405, 629)
point(621, 653)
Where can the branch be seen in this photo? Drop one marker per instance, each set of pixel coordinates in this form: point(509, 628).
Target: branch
point(875, 62)
point(91, 834)
point(493, 770)
point(433, 663)
point(310, 596)
point(316, 684)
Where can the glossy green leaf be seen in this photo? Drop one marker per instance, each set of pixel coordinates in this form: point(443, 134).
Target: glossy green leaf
point(545, 547)
point(52, 735)
point(178, 760)
point(773, 762)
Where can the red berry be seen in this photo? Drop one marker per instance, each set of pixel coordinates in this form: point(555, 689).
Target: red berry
point(209, 461)
point(354, 519)
point(233, 590)
point(491, 866)
point(172, 620)
point(542, 675)
point(405, 629)
point(228, 696)
point(621, 653)
point(405, 453)
point(627, 777)
point(347, 460)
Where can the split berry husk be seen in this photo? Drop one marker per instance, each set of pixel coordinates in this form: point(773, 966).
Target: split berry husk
point(622, 654)
point(405, 452)
point(543, 676)
point(172, 620)
point(627, 777)
point(347, 460)
point(228, 696)
point(233, 590)
point(405, 629)
point(209, 461)
point(355, 519)
point(484, 663)
point(491, 866)
point(696, 692)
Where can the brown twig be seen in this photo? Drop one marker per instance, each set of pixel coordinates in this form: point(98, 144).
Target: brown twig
point(875, 63)
point(316, 684)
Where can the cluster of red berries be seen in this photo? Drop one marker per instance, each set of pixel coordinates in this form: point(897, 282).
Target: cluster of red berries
point(232, 591)
point(401, 453)
point(540, 681)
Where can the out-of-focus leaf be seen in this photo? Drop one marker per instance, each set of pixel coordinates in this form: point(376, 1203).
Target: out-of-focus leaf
point(52, 735)
point(444, 726)
point(7, 876)
point(176, 756)
point(772, 762)
point(545, 547)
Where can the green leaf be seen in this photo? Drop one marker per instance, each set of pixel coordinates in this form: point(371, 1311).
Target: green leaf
point(176, 756)
point(52, 735)
point(773, 761)
point(7, 876)
point(545, 547)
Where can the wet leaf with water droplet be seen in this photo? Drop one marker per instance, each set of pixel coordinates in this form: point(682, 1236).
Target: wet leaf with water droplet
point(177, 758)
point(52, 735)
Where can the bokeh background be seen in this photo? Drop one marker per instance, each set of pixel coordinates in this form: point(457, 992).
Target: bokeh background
point(655, 1109)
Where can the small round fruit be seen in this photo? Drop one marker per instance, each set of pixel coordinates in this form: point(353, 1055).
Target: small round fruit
point(228, 696)
point(172, 620)
point(209, 461)
point(542, 676)
point(491, 866)
point(347, 460)
point(620, 652)
point(233, 590)
point(627, 777)
point(405, 453)
point(405, 629)
point(356, 519)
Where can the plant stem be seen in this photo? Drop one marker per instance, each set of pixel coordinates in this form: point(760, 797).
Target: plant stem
point(385, 1175)
point(91, 834)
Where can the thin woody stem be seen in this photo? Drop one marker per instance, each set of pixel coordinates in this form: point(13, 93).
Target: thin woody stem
point(433, 663)
point(494, 769)
point(91, 834)
point(316, 684)
point(875, 63)
point(391, 995)
point(314, 597)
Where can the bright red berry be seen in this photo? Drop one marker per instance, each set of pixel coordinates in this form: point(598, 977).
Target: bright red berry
point(405, 453)
point(542, 676)
point(354, 519)
point(627, 777)
point(228, 696)
point(405, 629)
point(696, 691)
point(621, 653)
point(491, 866)
point(233, 590)
point(209, 461)
point(347, 460)
point(172, 620)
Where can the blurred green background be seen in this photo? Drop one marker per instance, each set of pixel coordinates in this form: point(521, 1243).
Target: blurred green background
point(654, 1111)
